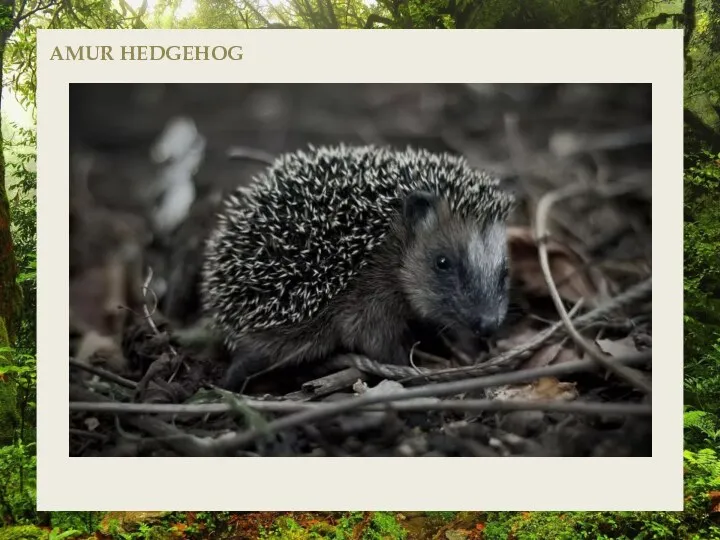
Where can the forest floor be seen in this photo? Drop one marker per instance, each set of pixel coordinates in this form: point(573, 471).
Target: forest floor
point(262, 525)
point(579, 158)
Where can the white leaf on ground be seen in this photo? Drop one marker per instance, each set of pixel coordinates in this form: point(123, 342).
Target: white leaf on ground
point(387, 387)
point(620, 347)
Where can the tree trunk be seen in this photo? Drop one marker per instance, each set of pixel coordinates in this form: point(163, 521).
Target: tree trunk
point(8, 264)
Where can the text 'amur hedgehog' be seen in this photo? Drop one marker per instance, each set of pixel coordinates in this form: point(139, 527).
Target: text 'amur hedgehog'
point(354, 249)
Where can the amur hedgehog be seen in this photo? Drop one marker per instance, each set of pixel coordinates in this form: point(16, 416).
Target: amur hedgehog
point(356, 249)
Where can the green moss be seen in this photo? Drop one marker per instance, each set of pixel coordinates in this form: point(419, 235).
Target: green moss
point(381, 526)
point(384, 526)
point(23, 532)
point(287, 529)
point(443, 517)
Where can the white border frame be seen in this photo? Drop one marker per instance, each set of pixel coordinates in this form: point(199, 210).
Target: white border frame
point(654, 483)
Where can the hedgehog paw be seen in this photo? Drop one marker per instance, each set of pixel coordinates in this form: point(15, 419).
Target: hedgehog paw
point(244, 365)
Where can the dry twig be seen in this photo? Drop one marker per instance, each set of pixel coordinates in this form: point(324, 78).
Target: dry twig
point(122, 381)
point(470, 405)
point(230, 443)
point(543, 210)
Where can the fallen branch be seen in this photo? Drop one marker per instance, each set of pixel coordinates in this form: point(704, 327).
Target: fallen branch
point(230, 443)
point(469, 405)
point(103, 373)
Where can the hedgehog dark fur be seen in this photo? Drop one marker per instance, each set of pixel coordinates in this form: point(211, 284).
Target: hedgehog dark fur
point(349, 249)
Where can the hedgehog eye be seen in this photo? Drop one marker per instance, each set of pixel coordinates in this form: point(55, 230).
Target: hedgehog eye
point(442, 263)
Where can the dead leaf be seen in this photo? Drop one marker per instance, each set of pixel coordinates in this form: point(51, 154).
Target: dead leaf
point(552, 389)
point(714, 502)
point(556, 353)
point(521, 334)
point(545, 389)
point(573, 279)
point(544, 357)
point(94, 344)
point(96, 349)
point(617, 348)
point(89, 300)
point(642, 340)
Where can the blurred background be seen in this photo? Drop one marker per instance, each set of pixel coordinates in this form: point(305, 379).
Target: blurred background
point(537, 136)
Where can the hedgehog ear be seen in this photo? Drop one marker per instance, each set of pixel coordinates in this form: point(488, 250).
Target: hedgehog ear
point(420, 210)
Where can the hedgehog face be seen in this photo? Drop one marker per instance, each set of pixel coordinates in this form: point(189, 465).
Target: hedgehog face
point(455, 269)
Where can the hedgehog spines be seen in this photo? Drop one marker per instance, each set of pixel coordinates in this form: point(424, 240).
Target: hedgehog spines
point(292, 240)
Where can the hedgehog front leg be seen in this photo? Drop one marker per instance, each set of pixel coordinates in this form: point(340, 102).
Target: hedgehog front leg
point(247, 359)
point(375, 333)
point(258, 352)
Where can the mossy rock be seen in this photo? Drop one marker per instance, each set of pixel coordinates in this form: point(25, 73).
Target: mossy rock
point(23, 532)
point(124, 522)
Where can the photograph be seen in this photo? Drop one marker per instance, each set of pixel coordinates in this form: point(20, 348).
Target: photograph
point(360, 270)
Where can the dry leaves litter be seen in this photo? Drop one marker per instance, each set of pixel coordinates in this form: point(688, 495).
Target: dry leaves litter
point(574, 277)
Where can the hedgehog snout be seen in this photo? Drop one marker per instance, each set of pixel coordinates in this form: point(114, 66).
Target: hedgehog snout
point(483, 311)
point(485, 325)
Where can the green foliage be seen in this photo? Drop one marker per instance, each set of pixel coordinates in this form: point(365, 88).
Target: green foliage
point(24, 532)
point(380, 526)
point(286, 528)
point(701, 428)
point(211, 14)
point(9, 417)
point(21, 177)
point(261, 14)
point(441, 517)
point(56, 534)
point(84, 522)
point(220, 525)
point(346, 524)
point(702, 475)
point(23, 374)
point(701, 80)
point(17, 489)
point(529, 526)
point(384, 526)
point(702, 282)
point(206, 523)
point(402, 14)
point(19, 53)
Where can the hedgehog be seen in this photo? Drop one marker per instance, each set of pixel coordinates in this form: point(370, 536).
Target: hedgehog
point(356, 249)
